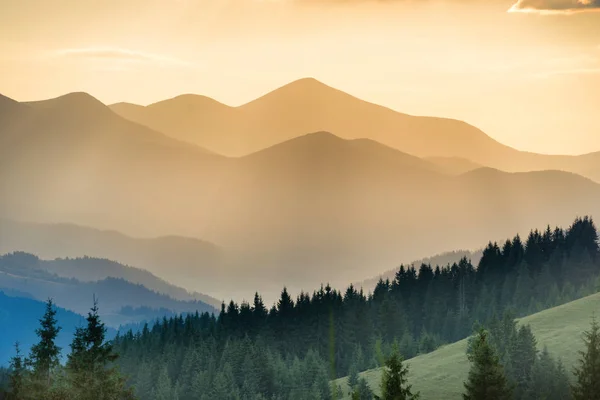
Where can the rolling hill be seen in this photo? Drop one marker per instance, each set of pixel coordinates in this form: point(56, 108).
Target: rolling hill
point(175, 259)
point(440, 374)
point(307, 105)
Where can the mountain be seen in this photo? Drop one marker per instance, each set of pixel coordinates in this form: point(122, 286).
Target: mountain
point(175, 259)
point(19, 318)
point(25, 273)
point(453, 165)
point(307, 105)
point(74, 147)
point(441, 373)
point(313, 209)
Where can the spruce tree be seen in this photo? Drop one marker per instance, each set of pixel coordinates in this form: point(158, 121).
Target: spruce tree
point(486, 380)
point(394, 380)
point(352, 376)
point(587, 374)
point(89, 366)
point(362, 391)
point(17, 375)
point(521, 359)
point(44, 356)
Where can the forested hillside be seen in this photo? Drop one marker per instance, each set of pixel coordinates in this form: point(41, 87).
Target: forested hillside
point(292, 349)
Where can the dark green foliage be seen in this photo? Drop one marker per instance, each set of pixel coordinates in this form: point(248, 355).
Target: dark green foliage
point(548, 380)
point(17, 375)
point(522, 355)
point(89, 374)
point(587, 385)
point(486, 379)
point(257, 350)
point(394, 384)
point(90, 370)
point(44, 356)
point(530, 374)
point(362, 391)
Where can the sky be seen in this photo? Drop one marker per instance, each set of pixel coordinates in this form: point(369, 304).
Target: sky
point(527, 73)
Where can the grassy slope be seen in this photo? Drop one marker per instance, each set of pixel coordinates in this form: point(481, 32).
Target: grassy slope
point(440, 374)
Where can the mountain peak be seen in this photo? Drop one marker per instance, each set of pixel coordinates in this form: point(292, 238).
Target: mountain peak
point(76, 103)
point(189, 100)
point(305, 85)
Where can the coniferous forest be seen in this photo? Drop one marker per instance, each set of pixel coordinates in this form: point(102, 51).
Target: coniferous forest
point(293, 349)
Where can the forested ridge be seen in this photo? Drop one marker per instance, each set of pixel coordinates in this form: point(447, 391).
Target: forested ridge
point(292, 349)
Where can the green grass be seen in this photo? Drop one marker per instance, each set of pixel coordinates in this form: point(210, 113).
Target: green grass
point(440, 374)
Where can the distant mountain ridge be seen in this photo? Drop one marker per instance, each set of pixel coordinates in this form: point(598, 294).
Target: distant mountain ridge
point(307, 105)
point(25, 273)
point(312, 209)
point(84, 253)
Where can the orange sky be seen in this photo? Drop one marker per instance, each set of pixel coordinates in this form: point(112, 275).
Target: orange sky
point(529, 79)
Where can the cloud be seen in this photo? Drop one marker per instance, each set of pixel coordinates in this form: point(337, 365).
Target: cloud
point(120, 55)
point(555, 6)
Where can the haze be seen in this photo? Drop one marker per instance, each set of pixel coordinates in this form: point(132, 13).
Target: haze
point(508, 73)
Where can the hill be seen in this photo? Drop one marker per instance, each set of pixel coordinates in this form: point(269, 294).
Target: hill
point(441, 374)
point(84, 253)
point(25, 273)
point(307, 105)
point(454, 165)
point(19, 318)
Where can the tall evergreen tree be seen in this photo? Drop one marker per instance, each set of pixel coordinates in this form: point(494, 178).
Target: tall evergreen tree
point(587, 385)
point(92, 374)
point(394, 384)
point(44, 356)
point(362, 391)
point(486, 380)
point(17, 375)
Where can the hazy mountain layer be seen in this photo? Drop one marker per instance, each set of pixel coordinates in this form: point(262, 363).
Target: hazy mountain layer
point(313, 209)
point(25, 273)
point(307, 105)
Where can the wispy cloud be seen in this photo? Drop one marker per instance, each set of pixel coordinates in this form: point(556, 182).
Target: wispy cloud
point(555, 6)
point(120, 55)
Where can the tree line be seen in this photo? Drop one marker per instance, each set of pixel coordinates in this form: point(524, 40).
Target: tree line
point(347, 331)
point(506, 365)
point(293, 349)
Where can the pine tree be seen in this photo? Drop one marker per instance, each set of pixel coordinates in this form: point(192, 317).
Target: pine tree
point(394, 380)
point(164, 389)
point(521, 359)
point(17, 375)
point(561, 387)
point(352, 376)
point(44, 356)
point(91, 373)
point(486, 380)
point(144, 382)
point(362, 391)
point(587, 374)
